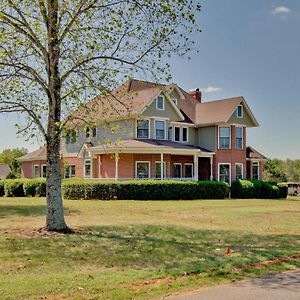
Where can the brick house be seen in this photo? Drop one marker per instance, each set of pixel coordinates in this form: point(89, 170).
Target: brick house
point(147, 130)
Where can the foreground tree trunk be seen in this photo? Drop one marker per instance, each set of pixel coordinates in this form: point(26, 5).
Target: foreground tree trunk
point(55, 213)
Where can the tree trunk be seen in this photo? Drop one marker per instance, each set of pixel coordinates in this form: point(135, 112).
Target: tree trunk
point(55, 212)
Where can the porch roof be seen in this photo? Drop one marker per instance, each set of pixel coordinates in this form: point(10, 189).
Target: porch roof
point(150, 146)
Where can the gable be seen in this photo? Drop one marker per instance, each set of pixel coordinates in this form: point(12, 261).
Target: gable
point(246, 119)
point(170, 110)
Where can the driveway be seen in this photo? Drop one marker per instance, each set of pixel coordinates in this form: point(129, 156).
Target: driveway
point(284, 286)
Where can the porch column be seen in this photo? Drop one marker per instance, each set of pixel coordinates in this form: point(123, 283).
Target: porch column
point(211, 168)
point(196, 170)
point(116, 166)
point(161, 166)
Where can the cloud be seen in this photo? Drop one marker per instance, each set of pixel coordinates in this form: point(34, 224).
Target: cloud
point(280, 10)
point(211, 89)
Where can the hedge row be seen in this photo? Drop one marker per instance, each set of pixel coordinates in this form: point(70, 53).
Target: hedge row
point(246, 189)
point(23, 187)
point(144, 190)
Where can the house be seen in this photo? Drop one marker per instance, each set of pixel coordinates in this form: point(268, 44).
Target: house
point(146, 130)
point(4, 171)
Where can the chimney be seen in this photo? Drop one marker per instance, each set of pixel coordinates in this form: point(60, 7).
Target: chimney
point(196, 94)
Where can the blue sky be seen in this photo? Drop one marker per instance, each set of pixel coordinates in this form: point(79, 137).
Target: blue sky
point(246, 48)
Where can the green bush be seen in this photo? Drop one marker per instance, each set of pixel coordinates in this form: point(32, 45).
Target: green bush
point(14, 188)
point(35, 187)
point(143, 190)
point(2, 183)
point(283, 189)
point(246, 189)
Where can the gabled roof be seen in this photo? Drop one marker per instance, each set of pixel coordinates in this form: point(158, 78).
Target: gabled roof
point(4, 171)
point(40, 154)
point(251, 153)
point(220, 111)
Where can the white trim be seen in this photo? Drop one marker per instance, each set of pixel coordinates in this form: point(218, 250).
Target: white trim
point(239, 164)
point(43, 166)
point(258, 169)
point(179, 164)
point(228, 164)
point(164, 169)
point(242, 137)
point(218, 136)
point(163, 97)
point(183, 124)
point(160, 120)
point(39, 171)
point(242, 110)
point(136, 128)
point(142, 161)
point(189, 164)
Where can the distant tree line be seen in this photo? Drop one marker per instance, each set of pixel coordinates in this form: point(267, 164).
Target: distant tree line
point(282, 170)
point(9, 157)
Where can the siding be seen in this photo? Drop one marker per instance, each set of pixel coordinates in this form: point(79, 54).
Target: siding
point(207, 138)
point(246, 120)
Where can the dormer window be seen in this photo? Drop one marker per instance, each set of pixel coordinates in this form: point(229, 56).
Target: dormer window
point(160, 102)
point(239, 111)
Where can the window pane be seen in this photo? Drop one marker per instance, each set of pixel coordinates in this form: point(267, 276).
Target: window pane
point(238, 171)
point(224, 173)
point(177, 134)
point(142, 170)
point(87, 132)
point(94, 132)
point(224, 132)
point(143, 129)
point(158, 168)
point(87, 168)
point(255, 170)
point(36, 171)
point(44, 171)
point(177, 171)
point(224, 137)
point(240, 111)
point(170, 133)
point(160, 129)
point(189, 171)
point(160, 102)
point(184, 134)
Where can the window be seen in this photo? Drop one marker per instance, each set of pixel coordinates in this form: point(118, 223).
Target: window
point(170, 133)
point(185, 134)
point(224, 137)
point(160, 130)
point(255, 170)
point(70, 171)
point(88, 132)
point(239, 171)
point(160, 102)
point(44, 170)
point(239, 137)
point(177, 134)
point(224, 173)
point(158, 169)
point(36, 171)
point(188, 170)
point(177, 170)
point(87, 168)
point(71, 137)
point(142, 169)
point(143, 129)
point(239, 111)
point(94, 131)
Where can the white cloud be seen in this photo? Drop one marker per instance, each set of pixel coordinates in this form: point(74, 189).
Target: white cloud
point(211, 89)
point(280, 10)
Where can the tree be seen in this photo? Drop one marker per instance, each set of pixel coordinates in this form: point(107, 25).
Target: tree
point(9, 156)
point(274, 170)
point(58, 54)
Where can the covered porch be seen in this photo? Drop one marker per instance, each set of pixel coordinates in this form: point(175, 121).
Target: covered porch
point(149, 159)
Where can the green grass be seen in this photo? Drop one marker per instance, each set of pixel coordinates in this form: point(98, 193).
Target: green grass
point(142, 249)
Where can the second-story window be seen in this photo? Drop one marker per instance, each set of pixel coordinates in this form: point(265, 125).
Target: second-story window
point(160, 129)
point(143, 129)
point(224, 137)
point(160, 102)
point(239, 137)
point(177, 134)
point(184, 134)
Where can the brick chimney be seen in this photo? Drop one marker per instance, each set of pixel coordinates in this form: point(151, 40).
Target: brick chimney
point(196, 94)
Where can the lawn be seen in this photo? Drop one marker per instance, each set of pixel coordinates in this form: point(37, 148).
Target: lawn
point(143, 249)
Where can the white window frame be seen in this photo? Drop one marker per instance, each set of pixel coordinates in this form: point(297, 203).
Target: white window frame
point(165, 168)
point(39, 171)
point(187, 134)
point(136, 130)
point(180, 164)
point(67, 166)
point(189, 164)
point(219, 127)
point(242, 111)
point(242, 137)
point(84, 168)
point(163, 102)
point(258, 170)
point(165, 126)
point(174, 133)
point(227, 164)
point(242, 167)
point(142, 161)
point(42, 167)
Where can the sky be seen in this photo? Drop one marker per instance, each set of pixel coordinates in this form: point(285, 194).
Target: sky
point(246, 48)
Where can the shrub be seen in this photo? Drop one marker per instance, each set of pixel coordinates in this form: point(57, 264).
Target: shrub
point(283, 189)
point(14, 187)
point(144, 190)
point(243, 189)
point(2, 183)
point(35, 187)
